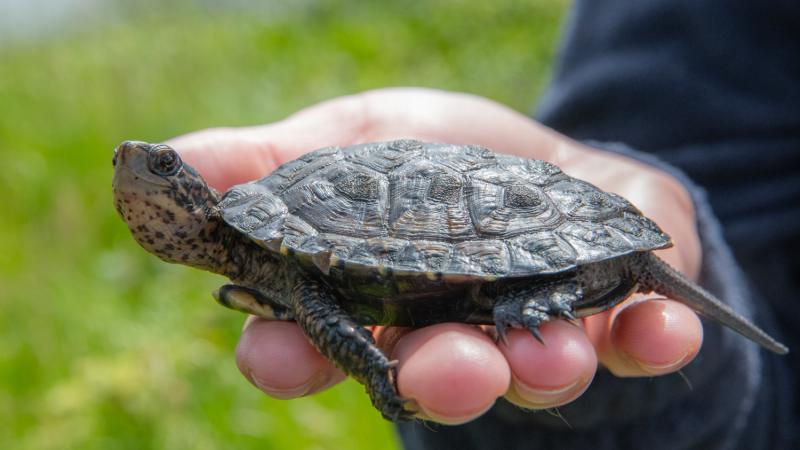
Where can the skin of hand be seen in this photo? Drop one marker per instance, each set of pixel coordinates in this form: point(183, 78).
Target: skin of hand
point(452, 373)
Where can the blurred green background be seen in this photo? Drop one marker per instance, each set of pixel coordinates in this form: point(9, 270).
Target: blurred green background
point(104, 346)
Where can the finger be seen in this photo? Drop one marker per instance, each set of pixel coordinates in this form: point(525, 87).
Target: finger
point(649, 337)
point(550, 375)
point(451, 373)
point(278, 359)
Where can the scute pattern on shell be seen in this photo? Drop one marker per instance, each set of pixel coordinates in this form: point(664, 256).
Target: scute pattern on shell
point(413, 207)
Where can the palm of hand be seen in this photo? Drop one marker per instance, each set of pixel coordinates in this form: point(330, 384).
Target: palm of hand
point(452, 373)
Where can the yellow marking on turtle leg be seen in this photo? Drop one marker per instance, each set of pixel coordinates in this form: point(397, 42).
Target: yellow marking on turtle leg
point(243, 301)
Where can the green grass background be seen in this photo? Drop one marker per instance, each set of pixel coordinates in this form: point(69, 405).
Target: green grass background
point(104, 346)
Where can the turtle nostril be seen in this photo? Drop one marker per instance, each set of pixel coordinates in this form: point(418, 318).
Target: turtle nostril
point(132, 145)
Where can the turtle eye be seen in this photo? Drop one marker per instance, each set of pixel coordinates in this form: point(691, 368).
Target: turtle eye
point(164, 161)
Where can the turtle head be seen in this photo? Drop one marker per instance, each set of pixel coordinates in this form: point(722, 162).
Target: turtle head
point(167, 205)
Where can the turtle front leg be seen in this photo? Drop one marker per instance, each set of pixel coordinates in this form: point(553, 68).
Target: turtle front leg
point(250, 301)
point(531, 305)
point(348, 345)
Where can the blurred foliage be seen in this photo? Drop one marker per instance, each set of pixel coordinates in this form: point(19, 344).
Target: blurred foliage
point(101, 344)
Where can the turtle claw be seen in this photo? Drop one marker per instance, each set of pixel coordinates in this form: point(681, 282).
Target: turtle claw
point(502, 336)
point(536, 334)
point(570, 318)
point(528, 306)
point(568, 315)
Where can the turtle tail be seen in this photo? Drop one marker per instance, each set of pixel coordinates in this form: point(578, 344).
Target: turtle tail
point(655, 274)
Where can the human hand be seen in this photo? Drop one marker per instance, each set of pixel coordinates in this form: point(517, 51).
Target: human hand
point(455, 372)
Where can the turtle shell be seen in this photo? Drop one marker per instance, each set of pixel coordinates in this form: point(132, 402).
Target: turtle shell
point(420, 208)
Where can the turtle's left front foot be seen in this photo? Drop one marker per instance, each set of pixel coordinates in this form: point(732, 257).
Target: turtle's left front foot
point(349, 346)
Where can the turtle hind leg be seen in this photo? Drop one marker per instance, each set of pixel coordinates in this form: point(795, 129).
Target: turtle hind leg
point(531, 305)
point(587, 292)
point(349, 346)
point(251, 301)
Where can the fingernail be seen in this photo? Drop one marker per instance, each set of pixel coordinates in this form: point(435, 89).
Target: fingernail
point(541, 397)
point(655, 368)
point(421, 412)
point(301, 390)
point(409, 404)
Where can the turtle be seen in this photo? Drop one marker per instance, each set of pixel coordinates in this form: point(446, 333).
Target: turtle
point(404, 233)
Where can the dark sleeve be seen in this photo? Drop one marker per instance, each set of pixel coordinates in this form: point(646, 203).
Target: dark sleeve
point(726, 398)
point(710, 86)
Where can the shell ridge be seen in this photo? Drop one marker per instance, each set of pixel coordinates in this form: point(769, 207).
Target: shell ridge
point(459, 211)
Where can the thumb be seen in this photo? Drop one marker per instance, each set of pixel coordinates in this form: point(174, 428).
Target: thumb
point(226, 156)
